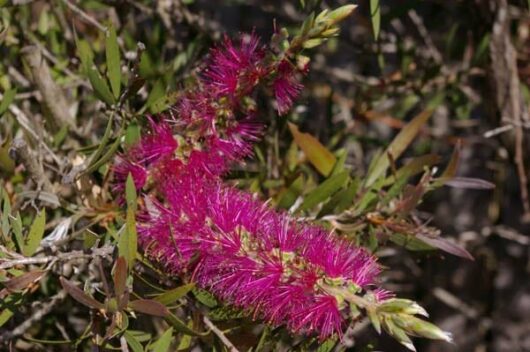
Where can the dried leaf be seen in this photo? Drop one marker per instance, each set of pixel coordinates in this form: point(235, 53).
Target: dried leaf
point(79, 295)
point(23, 281)
point(149, 306)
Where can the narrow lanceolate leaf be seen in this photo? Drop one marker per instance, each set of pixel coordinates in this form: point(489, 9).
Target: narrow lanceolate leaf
point(445, 245)
point(101, 89)
point(35, 235)
point(375, 12)
point(325, 190)
point(149, 306)
point(79, 295)
point(398, 146)
point(133, 342)
point(180, 326)
point(21, 282)
point(128, 241)
point(9, 95)
point(173, 295)
point(112, 52)
point(321, 158)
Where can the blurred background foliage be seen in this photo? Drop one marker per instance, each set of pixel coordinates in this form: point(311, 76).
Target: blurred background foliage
point(411, 97)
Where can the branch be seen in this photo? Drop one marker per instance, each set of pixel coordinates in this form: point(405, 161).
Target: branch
point(220, 335)
point(20, 152)
point(53, 96)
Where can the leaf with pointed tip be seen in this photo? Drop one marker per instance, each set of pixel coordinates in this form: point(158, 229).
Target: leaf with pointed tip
point(173, 295)
point(468, 183)
point(79, 295)
point(445, 245)
point(149, 306)
point(375, 13)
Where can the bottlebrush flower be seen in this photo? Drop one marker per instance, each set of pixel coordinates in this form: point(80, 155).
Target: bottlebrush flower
point(253, 257)
point(248, 255)
point(234, 71)
point(285, 86)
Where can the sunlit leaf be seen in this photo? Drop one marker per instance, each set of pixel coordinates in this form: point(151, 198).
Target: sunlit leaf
point(375, 13)
point(321, 158)
point(35, 234)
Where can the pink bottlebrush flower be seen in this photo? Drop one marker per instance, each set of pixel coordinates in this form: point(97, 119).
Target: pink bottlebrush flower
point(248, 255)
point(285, 86)
point(122, 168)
point(254, 257)
point(233, 71)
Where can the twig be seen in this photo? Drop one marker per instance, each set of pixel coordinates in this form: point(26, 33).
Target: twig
point(20, 151)
point(220, 335)
point(98, 252)
point(84, 16)
point(424, 33)
point(35, 317)
point(509, 98)
point(24, 122)
point(52, 95)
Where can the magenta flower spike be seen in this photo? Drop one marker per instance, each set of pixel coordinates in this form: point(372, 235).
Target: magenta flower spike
point(263, 261)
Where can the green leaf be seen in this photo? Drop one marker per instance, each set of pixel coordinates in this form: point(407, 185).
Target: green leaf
point(375, 13)
point(205, 297)
point(101, 88)
point(321, 158)
point(85, 53)
point(180, 326)
point(16, 226)
point(135, 345)
point(35, 234)
point(9, 95)
point(327, 346)
point(132, 134)
point(173, 295)
point(341, 200)
point(163, 343)
point(128, 241)
point(112, 52)
point(291, 194)
point(325, 190)
point(156, 100)
point(398, 146)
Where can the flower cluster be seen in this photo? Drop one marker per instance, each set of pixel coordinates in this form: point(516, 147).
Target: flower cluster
point(249, 255)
